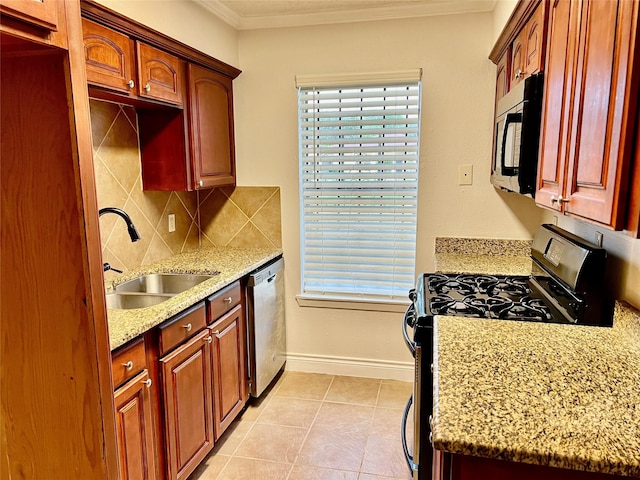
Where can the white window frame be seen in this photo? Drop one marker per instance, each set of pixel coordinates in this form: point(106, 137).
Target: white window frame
point(332, 186)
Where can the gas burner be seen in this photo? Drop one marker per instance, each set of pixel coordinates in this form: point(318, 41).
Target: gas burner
point(509, 286)
point(443, 284)
point(498, 305)
point(531, 309)
point(469, 306)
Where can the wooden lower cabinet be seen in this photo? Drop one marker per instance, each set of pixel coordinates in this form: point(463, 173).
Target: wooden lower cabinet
point(229, 368)
point(448, 466)
point(188, 409)
point(136, 447)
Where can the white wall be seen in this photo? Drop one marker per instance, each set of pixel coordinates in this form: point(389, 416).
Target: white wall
point(457, 111)
point(501, 13)
point(185, 21)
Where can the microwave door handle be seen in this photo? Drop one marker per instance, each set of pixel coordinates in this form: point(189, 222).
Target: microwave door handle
point(511, 119)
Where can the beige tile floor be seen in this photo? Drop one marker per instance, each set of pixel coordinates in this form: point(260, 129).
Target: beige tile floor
point(310, 426)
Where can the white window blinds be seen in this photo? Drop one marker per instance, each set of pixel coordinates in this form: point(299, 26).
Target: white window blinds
point(359, 184)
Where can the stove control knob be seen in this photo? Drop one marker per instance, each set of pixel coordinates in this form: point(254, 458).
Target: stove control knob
point(412, 295)
point(432, 368)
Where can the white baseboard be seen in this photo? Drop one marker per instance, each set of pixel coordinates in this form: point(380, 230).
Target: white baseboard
point(349, 366)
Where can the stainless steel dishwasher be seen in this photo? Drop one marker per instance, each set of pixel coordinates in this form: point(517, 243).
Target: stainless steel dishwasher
point(267, 332)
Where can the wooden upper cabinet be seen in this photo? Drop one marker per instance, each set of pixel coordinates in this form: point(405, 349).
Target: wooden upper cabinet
point(526, 50)
point(108, 57)
point(589, 117)
point(503, 76)
point(210, 119)
point(40, 13)
point(117, 63)
point(160, 75)
point(556, 103)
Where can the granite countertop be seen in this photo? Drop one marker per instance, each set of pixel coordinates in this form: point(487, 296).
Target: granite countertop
point(483, 256)
point(483, 264)
point(231, 263)
point(558, 395)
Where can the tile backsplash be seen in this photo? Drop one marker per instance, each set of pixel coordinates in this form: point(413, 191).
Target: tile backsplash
point(230, 217)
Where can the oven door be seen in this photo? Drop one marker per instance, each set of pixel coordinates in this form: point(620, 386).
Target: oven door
point(421, 400)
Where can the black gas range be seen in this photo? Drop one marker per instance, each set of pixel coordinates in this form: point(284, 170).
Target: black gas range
point(566, 286)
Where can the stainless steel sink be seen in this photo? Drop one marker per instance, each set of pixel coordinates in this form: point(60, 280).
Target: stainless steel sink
point(163, 283)
point(129, 300)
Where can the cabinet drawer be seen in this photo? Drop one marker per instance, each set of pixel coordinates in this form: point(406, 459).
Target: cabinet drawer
point(182, 327)
point(224, 300)
point(127, 362)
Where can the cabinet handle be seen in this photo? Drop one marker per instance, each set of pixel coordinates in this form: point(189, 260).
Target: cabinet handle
point(209, 339)
point(128, 365)
point(147, 383)
point(228, 300)
point(131, 83)
point(201, 183)
point(147, 88)
point(560, 200)
point(187, 327)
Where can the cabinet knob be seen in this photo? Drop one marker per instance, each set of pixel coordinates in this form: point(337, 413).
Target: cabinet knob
point(128, 365)
point(187, 327)
point(200, 183)
point(147, 88)
point(228, 300)
point(216, 333)
point(209, 339)
point(131, 83)
point(560, 200)
point(147, 383)
point(519, 74)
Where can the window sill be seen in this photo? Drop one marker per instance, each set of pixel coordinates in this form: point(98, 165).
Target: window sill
point(351, 303)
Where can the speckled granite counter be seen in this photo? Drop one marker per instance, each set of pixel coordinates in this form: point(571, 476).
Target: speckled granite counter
point(482, 264)
point(232, 263)
point(558, 395)
point(483, 256)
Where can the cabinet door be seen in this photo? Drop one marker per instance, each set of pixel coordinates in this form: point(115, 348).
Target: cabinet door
point(211, 128)
point(41, 13)
point(109, 57)
point(526, 50)
point(160, 75)
point(136, 449)
point(533, 42)
point(556, 103)
point(603, 120)
point(188, 410)
point(229, 368)
point(518, 51)
point(502, 76)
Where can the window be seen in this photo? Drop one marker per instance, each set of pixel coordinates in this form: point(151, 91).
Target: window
point(359, 145)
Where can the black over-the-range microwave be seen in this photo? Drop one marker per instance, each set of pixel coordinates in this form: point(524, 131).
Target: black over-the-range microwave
point(517, 137)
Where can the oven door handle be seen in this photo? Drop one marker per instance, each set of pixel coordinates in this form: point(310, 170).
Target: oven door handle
point(405, 417)
point(409, 314)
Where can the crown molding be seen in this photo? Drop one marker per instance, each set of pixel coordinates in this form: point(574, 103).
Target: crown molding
point(344, 16)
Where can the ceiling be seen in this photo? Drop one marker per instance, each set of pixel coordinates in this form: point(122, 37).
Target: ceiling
point(254, 14)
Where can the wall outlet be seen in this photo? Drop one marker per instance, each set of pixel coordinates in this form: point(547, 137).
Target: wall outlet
point(465, 174)
point(172, 222)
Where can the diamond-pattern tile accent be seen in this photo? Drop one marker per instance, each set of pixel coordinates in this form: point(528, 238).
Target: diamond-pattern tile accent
point(226, 217)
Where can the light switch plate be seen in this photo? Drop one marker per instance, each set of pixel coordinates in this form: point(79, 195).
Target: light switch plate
point(465, 174)
point(172, 222)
